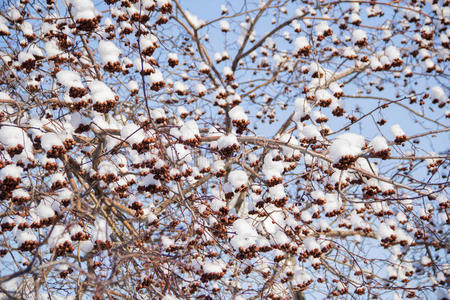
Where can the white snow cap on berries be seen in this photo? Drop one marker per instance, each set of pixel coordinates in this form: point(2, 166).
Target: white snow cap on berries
point(290, 139)
point(227, 71)
point(238, 113)
point(100, 92)
point(302, 109)
point(102, 229)
point(200, 89)
point(148, 41)
point(83, 9)
point(108, 51)
point(300, 43)
point(212, 267)
point(224, 25)
point(311, 244)
point(321, 27)
point(396, 130)
point(69, 79)
point(52, 49)
point(50, 139)
point(132, 133)
point(44, 210)
point(237, 178)
point(3, 27)
point(393, 53)
point(156, 77)
point(194, 20)
point(189, 130)
point(10, 171)
point(346, 144)
point(132, 85)
point(300, 277)
point(12, 136)
point(21, 236)
point(310, 131)
point(246, 235)
point(384, 231)
point(358, 35)
point(172, 56)
point(272, 168)
point(227, 141)
point(203, 67)
point(58, 236)
point(379, 144)
point(438, 93)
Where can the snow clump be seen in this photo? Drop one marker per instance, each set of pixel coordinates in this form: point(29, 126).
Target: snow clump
point(345, 149)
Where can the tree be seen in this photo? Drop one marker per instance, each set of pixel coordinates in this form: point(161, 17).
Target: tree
point(275, 150)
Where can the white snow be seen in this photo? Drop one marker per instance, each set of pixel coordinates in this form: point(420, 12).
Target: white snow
point(156, 77)
point(3, 27)
point(178, 152)
point(44, 210)
point(132, 85)
point(203, 67)
point(50, 139)
point(172, 56)
point(200, 89)
point(227, 71)
point(26, 28)
point(167, 242)
point(217, 204)
point(108, 51)
point(180, 87)
point(227, 141)
point(217, 166)
point(212, 267)
point(379, 144)
point(69, 79)
point(224, 25)
point(194, 20)
point(102, 229)
point(393, 53)
point(300, 43)
point(333, 202)
point(10, 171)
point(189, 130)
point(245, 236)
point(311, 131)
point(22, 236)
point(12, 136)
point(300, 277)
point(132, 133)
point(396, 130)
point(384, 231)
point(238, 113)
point(83, 9)
point(302, 109)
point(438, 93)
point(272, 168)
point(101, 93)
point(375, 63)
point(358, 35)
point(59, 235)
point(238, 178)
point(346, 144)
